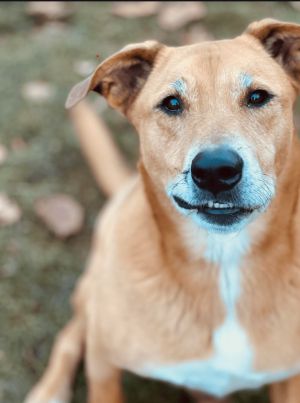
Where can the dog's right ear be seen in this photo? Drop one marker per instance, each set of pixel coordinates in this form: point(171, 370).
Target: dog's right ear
point(120, 77)
point(281, 40)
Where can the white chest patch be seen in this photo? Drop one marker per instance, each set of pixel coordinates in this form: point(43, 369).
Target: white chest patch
point(230, 368)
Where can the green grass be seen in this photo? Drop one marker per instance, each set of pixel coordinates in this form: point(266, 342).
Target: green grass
point(37, 271)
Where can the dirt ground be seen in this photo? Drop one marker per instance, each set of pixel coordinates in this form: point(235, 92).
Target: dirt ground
point(37, 270)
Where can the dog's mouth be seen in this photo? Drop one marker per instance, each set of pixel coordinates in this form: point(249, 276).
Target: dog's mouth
point(221, 213)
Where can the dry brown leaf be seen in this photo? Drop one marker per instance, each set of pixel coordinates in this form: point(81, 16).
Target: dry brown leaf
point(18, 144)
point(175, 15)
point(10, 212)
point(135, 9)
point(196, 34)
point(37, 91)
point(49, 10)
point(3, 153)
point(62, 214)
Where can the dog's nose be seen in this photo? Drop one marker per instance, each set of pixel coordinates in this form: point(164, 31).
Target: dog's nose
point(217, 170)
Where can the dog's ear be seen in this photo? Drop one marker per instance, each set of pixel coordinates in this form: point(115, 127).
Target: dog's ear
point(282, 41)
point(120, 77)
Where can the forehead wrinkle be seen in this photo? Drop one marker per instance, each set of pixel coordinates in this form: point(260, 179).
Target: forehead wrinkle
point(179, 85)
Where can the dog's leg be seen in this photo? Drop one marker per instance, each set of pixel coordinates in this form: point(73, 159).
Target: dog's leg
point(103, 378)
point(286, 392)
point(55, 385)
point(106, 390)
point(204, 398)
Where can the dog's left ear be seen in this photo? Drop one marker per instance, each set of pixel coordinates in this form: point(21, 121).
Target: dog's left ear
point(282, 41)
point(120, 77)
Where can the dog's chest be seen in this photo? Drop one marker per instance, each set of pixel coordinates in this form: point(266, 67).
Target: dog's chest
point(223, 373)
point(229, 367)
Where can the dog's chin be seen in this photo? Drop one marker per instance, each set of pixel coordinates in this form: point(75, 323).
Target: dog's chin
point(226, 222)
point(228, 219)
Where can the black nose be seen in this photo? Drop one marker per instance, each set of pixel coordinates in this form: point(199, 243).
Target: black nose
point(217, 170)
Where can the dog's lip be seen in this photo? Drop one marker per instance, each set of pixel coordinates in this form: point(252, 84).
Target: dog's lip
point(208, 208)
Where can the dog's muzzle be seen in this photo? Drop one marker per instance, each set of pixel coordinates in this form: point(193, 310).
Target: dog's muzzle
point(218, 188)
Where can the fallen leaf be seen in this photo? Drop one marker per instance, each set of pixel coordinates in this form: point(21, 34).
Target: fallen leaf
point(18, 144)
point(196, 34)
point(84, 67)
point(175, 15)
point(61, 213)
point(43, 11)
point(10, 212)
point(3, 153)
point(135, 9)
point(37, 91)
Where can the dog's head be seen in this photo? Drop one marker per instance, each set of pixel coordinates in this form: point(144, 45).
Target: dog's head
point(215, 119)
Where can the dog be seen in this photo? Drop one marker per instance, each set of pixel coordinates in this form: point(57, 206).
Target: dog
point(194, 271)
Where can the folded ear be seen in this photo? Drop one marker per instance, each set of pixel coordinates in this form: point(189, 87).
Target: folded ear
point(120, 77)
point(282, 41)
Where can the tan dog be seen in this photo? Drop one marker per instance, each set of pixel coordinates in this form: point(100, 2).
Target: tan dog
point(194, 274)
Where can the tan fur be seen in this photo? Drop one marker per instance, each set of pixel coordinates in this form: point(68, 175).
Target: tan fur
point(146, 295)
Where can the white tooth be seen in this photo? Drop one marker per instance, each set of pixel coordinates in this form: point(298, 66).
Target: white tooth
point(216, 205)
point(223, 205)
point(210, 204)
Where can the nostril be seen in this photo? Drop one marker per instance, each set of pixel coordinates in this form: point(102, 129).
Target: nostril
point(227, 172)
point(201, 173)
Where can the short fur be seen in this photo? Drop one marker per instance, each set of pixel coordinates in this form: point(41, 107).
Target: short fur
point(164, 295)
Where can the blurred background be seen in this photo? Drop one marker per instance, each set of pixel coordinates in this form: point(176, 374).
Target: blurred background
point(48, 197)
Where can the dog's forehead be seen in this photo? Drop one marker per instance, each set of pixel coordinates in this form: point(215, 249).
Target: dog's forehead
point(226, 60)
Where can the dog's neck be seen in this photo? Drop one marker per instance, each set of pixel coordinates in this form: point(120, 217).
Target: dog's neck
point(271, 227)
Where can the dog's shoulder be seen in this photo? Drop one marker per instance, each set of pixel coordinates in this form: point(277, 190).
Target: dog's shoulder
point(127, 218)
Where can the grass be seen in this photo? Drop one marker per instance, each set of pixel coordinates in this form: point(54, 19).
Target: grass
point(38, 271)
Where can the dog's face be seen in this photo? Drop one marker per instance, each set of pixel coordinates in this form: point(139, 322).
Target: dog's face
point(215, 123)
point(215, 119)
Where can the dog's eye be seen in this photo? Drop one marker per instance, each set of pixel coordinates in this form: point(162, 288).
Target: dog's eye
point(172, 105)
point(258, 98)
